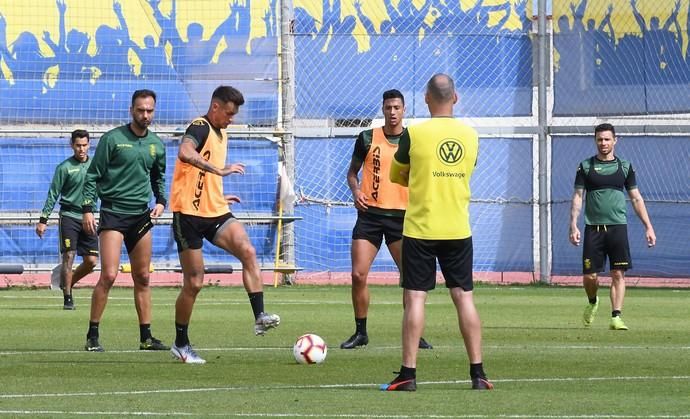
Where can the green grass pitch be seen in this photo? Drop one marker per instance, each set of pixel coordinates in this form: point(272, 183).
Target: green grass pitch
point(541, 360)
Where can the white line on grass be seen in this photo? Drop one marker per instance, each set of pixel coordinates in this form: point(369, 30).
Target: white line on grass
point(210, 302)
point(329, 386)
point(201, 300)
point(587, 347)
point(139, 351)
point(378, 348)
point(320, 415)
point(214, 302)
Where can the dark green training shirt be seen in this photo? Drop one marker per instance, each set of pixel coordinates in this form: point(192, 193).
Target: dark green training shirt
point(125, 171)
point(68, 182)
point(605, 184)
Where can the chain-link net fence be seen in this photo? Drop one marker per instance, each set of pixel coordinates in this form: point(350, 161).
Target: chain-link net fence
point(626, 63)
point(620, 58)
point(78, 62)
point(26, 171)
point(67, 64)
point(347, 53)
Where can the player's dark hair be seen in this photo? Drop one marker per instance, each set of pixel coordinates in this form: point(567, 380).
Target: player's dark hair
point(393, 94)
point(79, 133)
point(143, 93)
point(227, 94)
point(604, 127)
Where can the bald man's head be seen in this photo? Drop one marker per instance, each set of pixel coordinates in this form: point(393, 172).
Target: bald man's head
point(441, 88)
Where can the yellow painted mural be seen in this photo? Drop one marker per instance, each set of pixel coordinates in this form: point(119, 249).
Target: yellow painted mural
point(622, 17)
point(376, 11)
point(40, 16)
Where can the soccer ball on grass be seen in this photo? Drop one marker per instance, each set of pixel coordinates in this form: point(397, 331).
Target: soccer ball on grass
point(310, 349)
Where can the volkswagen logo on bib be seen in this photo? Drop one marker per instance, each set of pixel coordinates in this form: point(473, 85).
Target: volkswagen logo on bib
point(450, 152)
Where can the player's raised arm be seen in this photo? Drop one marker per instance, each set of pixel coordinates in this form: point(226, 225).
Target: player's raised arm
point(192, 141)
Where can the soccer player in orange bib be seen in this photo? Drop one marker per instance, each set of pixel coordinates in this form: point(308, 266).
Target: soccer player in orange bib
point(380, 207)
point(200, 210)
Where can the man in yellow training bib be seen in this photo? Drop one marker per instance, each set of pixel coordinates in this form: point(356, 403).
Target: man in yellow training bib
point(435, 159)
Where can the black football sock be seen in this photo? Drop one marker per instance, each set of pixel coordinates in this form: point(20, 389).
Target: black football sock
point(593, 300)
point(361, 326)
point(144, 332)
point(615, 313)
point(256, 299)
point(477, 371)
point(181, 338)
point(407, 373)
point(93, 330)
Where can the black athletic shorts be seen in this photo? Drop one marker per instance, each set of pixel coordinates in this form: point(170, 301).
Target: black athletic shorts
point(373, 227)
point(73, 237)
point(132, 227)
point(190, 230)
point(419, 263)
point(601, 241)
